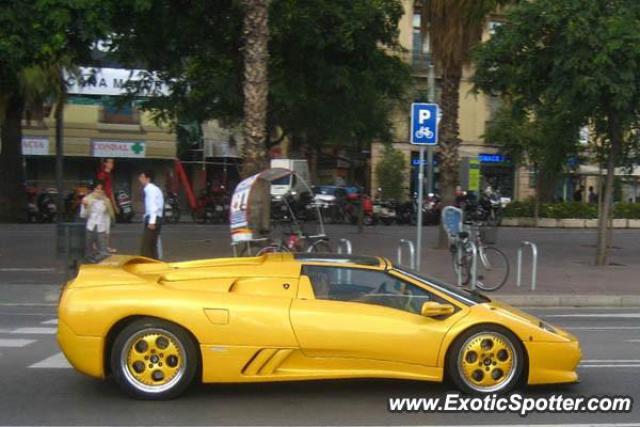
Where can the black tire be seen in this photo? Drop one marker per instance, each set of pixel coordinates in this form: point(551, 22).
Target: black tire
point(136, 341)
point(510, 354)
point(493, 269)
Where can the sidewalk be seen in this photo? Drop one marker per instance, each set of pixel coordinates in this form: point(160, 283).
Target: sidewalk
point(566, 275)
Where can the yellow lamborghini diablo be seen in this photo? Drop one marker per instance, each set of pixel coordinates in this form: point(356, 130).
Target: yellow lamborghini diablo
point(155, 326)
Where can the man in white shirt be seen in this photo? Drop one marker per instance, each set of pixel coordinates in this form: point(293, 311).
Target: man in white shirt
point(98, 210)
point(153, 208)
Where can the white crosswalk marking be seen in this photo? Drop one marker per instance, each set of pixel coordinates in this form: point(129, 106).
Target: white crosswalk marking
point(17, 342)
point(50, 322)
point(40, 331)
point(57, 361)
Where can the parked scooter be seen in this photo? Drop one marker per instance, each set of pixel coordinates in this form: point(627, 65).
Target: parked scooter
point(125, 207)
point(171, 208)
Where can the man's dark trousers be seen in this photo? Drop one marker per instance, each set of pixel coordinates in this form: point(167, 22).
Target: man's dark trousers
point(149, 246)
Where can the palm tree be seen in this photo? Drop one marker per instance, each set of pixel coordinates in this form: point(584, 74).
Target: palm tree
point(256, 84)
point(454, 28)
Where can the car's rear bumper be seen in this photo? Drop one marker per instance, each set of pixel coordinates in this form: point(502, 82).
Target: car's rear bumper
point(553, 362)
point(85, 353)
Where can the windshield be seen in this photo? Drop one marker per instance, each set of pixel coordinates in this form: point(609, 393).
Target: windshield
point(460, 294)
point(329, 191)
point(285, 180)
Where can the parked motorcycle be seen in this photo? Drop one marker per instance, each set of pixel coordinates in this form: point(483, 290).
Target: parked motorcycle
point(47, 206)
point(171, 208)
point(32, 205)
point(125, 207)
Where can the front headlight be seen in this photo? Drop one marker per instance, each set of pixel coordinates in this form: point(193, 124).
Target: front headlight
point(547, 327)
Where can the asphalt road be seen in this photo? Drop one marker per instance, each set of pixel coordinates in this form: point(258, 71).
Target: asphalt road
point(37, 387)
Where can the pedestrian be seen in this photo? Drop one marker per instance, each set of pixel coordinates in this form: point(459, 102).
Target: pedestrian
point(153, 207)
point(105, 174)
point(593, 197)
point(577, 195)
point(98, 211)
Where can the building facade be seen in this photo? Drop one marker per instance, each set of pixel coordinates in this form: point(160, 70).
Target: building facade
point(98, 125)
point(476, 111)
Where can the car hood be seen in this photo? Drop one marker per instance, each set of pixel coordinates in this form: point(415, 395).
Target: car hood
point(506, 310)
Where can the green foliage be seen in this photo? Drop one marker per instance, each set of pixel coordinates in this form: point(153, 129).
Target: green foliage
point(578, 210)
point(626, 210)
point(390, 173)
point(332, 72)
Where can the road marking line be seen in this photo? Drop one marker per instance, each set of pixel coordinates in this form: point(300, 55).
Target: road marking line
point(27, 304)
point(8, 342)
point(598, 315)
point(598, 328)
point(9, 269)
point(57, 361)
point(611, 366)
point(611, 361)
point(41, 331)
point(50, 322)
point(633, 341)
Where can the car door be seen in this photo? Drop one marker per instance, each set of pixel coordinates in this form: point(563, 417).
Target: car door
point(366, 314)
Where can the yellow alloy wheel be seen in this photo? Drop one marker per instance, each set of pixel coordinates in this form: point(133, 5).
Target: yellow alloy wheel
point(153, 360)
point(487, 361)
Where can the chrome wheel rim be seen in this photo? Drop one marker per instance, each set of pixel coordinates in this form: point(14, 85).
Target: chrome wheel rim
point(487, 362)
point(153, 360)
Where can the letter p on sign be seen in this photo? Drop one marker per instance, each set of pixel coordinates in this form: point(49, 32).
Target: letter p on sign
point(423, 115)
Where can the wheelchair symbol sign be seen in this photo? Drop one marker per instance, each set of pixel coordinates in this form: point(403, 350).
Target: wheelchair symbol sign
point(424, 124)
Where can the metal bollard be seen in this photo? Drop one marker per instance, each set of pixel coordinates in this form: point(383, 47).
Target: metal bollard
point(412, 253)
point(534, 263)
point(346, 244)
point(474, 265)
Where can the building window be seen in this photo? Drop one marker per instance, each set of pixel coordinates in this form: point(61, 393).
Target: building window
point(121, 114)
point(493, 26)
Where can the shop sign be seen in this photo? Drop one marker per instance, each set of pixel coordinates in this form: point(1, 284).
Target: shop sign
point(492, 158)
point(127, 149)
point(113, 82)
point(35, 146)
point(474, 175)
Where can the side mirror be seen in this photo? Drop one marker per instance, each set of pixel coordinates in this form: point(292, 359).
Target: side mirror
point(435, 309)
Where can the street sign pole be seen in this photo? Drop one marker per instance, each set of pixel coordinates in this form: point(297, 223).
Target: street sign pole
point(424, 133)
point(432, 98)
point(419, 207)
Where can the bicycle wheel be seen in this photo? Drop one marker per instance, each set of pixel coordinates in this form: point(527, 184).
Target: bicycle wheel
point(461, 266)
point(493, 268)
point(321, 246)
point(272, 249)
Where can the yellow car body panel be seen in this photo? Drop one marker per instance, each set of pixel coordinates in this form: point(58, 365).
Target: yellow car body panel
point(256, 319)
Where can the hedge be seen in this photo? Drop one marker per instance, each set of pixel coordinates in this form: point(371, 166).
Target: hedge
point(570, 210)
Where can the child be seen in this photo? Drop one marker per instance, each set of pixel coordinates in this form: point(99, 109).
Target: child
point(98, 210)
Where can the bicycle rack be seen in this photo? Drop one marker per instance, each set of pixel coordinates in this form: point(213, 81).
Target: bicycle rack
point(344, 246)
point(412, 253)
point(474, 265)
point(534, 263)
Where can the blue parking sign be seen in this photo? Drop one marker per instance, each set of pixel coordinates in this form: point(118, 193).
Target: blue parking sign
point(424, 124)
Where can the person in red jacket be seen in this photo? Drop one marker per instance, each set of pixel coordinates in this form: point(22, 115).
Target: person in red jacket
point(105, 175)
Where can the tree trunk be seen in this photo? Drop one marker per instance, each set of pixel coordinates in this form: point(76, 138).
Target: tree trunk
point(12, 192)
point(449, 142)
point(615, 136)
point(256, 85)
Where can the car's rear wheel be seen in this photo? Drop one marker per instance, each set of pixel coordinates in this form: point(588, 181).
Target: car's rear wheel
point(153, 359)
point(486, 359)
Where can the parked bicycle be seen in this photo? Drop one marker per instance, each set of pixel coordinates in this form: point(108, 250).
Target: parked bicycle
point(492, 265)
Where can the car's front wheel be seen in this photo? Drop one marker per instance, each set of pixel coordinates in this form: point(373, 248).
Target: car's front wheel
point(153, 359)
point(486, 359)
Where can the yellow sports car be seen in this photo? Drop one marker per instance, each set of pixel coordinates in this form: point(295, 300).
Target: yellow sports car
point(154, 327)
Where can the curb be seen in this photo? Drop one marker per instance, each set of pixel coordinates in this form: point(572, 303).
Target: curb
point(570, 300)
